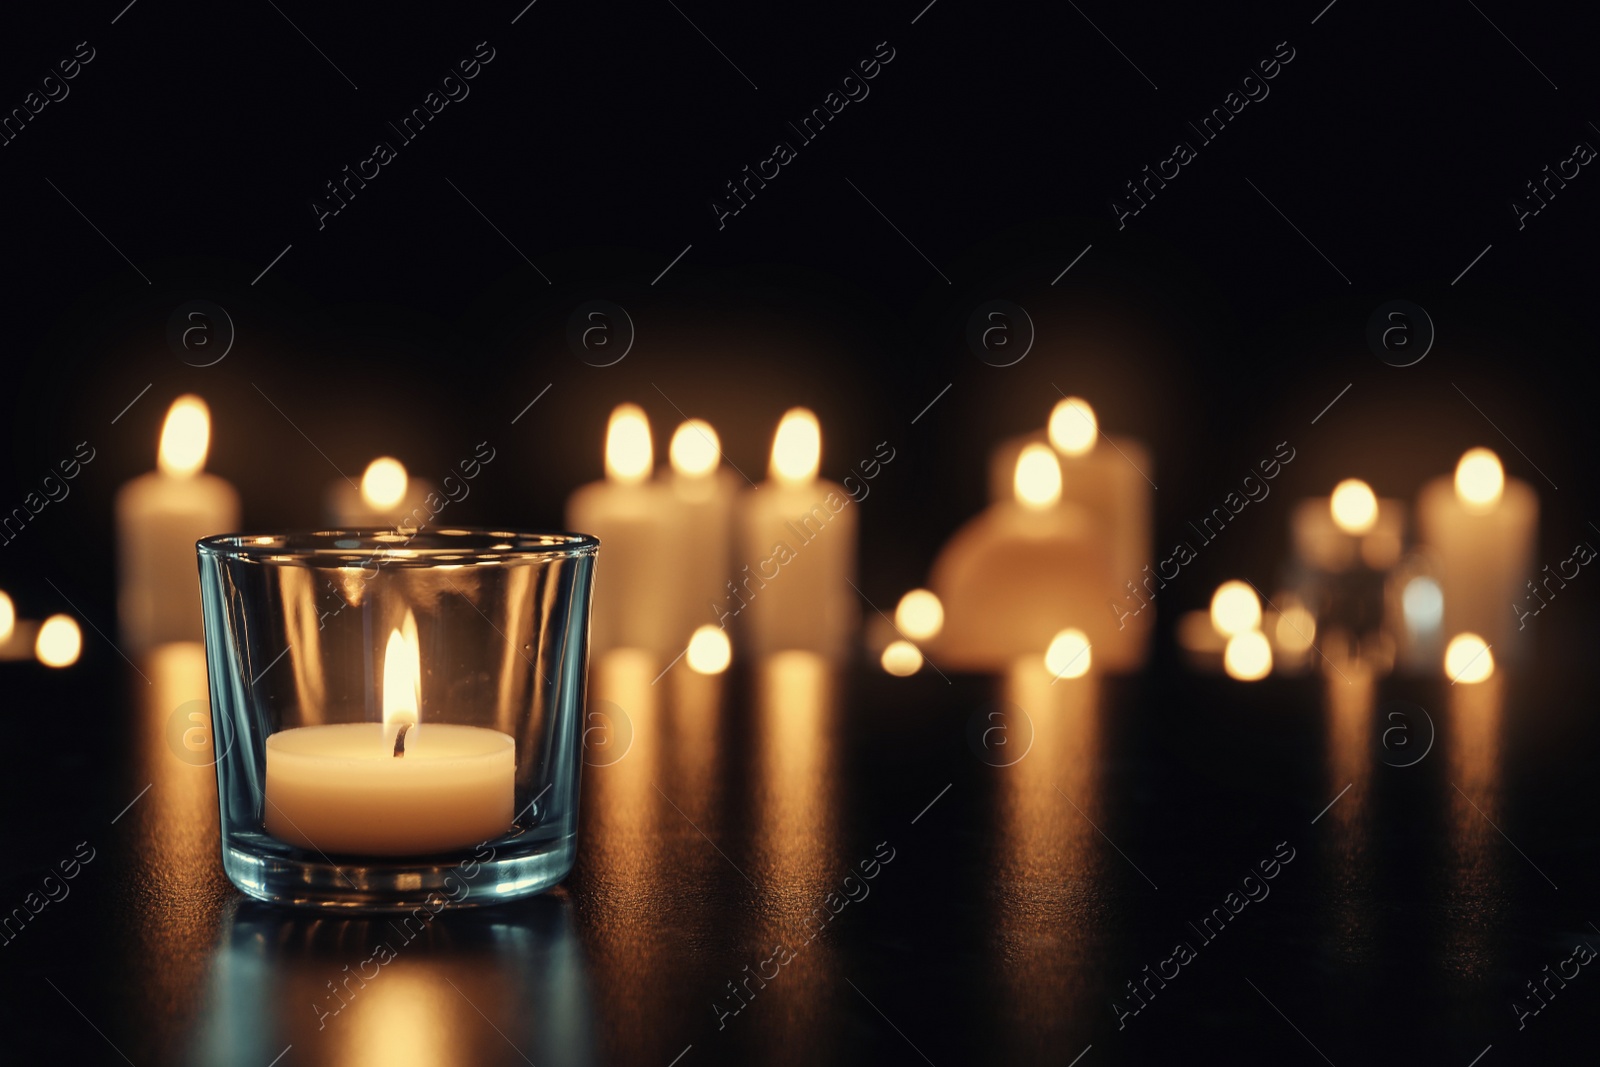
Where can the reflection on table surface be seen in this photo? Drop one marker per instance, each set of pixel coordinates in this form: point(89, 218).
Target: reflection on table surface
point(789, 863)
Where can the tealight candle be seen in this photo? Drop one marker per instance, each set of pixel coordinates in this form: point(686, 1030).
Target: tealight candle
point(1479, 528)
point(797, 533)
point(398, 787)
point(637, 603)
point(1021, 572)
point(159, 517)
point(1110, 484)
point(702, 491)
point(386, 497)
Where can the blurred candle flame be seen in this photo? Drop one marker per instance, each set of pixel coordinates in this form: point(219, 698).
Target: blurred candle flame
point(1038, 479)
point(384, 483)
point(1480, 480)
point(695, 449)
point(629, 454)
point(59, 641)
point(797, 448)
point(185, 438)
point(1073, 427)
point(1354, 506)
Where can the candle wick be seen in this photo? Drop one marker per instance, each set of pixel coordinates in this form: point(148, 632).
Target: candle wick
point(400, 741)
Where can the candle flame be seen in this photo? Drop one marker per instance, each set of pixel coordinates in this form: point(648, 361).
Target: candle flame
point(402, 674)
point(797, 448)
point(629, 455)
point(1068, 655)
point(1480, 479)
point(384, 484)
point(1248, 657)
point(1354, 506)
point(1468, 659)
point(185, 437)
point(709, 651)
point(919, 615)
point(1235, 609)
point(59, 641)
point(8, 617)
point(695, 449)
point(1073, 427)
point(1037, 482)
point(901, 659)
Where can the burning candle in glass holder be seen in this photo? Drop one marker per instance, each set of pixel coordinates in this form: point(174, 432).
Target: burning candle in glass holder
point(702, 490)
point(386, 497)
point(1479, 529)
point(797, 543)
point(1025, 569)
point(159, 518)
point(1109, 480)
point(1344, 545)
point(638, 580)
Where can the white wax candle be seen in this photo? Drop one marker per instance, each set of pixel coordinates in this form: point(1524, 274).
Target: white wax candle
point(797, 548)
point(1022, 571)
point(1479, 529)
point(637, 578)
point(159, 517)
point(1107, 477)
point(1351, 529)
point(703, 493)
point(386, 497)
point(341, 788)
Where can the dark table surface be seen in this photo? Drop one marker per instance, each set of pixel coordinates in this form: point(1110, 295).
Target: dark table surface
point(1032, 848)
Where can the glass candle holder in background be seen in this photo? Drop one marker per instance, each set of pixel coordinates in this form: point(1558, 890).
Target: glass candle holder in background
point(397, 717)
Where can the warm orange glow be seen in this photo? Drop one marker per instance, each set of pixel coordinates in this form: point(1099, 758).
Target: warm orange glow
point(1068, 654)
point(629, 454)
point(1248, 657)
point(8, 617)
point(384, 484)
point(901, 659)
point(1354, 506)
point(797, 448)
point(1480, 480)
point(695, 449)
point(919, 615)
point(185, 437)
point(1073, 427)
point(1037, 482)
point(709, 651)
point(1296, 629)
point(1468, 659)
point(59, 641)
point(402, 674)
point(1235, 608)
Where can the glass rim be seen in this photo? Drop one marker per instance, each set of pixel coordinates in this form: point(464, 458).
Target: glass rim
point(391, 547)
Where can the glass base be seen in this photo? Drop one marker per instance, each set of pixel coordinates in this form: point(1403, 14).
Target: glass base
point(266, 869)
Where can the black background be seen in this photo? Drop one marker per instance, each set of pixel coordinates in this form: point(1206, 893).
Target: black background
point(995, 140)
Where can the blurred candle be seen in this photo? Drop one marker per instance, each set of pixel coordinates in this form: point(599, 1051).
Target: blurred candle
point(703, 491)
point(1110, 484)
point(1020, 572)
point(1479, 529)
point(797, 543)
point(159, 517)
point(386, 496)
point(1347, 530)
point(8, 617)
point(637, 603)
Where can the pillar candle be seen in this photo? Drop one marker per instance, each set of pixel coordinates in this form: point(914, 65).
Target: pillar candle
point(702, 490)
point(159, 517)
point(797, 551)
point(1344, 546)
point(1479, 529)
point(637, 573)
point(386, 496)
point(1022, 571)
point(1108, 480)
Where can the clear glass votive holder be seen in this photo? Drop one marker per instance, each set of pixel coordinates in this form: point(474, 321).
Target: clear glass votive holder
point(397, 716)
